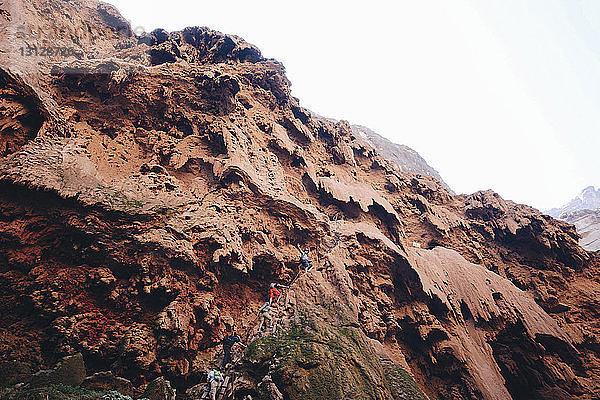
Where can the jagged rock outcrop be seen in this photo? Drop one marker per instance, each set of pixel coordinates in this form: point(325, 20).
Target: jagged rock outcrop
point(106, 380)
point(152, 187)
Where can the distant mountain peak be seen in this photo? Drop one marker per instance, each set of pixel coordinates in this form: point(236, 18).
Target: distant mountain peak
point(407, 159)
point(583, 212)
point(589, 193)
point(587, 199)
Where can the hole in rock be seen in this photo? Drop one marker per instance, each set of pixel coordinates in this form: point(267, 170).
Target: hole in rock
point(465, 311)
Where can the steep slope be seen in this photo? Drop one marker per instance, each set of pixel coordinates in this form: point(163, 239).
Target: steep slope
point(153, 187)
point(406, 158)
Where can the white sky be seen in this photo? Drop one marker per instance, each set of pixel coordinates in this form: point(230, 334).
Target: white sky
point(494, 94)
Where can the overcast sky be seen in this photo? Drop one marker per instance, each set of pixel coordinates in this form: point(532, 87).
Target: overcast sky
point(494, 94)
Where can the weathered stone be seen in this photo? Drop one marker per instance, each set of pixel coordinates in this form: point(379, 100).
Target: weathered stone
point(159, 389)
point(104, 381)
point(196, 392)
point(70, 371)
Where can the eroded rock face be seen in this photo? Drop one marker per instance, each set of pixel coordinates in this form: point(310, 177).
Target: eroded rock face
point(153, 187)
point(21, 115)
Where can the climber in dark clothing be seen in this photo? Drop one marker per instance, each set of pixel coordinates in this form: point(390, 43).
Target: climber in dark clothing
point(228, 342)
point(304, 260)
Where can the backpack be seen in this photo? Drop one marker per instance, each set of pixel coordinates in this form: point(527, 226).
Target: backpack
point(214, 376)
point(230, 340)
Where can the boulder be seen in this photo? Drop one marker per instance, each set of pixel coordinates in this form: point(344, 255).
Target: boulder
point(197, 391)
point(106, 380)
point(70, 371)
point(159, 389)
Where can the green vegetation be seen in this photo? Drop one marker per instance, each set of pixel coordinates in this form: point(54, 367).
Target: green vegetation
point(61, 392)
point(53, 392)
point(114, 395)
point(403, 385)
point(118, 200)
point(312, 359)
point(318, 361)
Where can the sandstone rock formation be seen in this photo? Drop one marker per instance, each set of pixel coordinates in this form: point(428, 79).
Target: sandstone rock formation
point(152, 187)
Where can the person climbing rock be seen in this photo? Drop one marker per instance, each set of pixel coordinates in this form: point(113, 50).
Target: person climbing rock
point(215, 378)
point(265, 316)
point(304, 260)
point(274, 293)
point(228, 342)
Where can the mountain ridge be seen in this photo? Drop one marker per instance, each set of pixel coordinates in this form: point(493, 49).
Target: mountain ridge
point(408, 159)
point(588, 199)
point(583, 212)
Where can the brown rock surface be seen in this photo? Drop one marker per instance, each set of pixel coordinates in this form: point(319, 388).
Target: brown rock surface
point(152, 188)
point(105, 381)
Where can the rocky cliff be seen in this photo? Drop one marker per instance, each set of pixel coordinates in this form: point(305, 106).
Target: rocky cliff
point(153, 187)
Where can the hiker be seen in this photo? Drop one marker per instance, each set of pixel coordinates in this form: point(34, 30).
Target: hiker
point(228, 341)
point(304, 260)
point(265, 316)
point(274, 293)
point(214, 381)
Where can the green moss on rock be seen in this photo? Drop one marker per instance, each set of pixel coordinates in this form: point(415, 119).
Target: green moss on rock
point(319, 361)
point(70, 372)
point(401, 383)
point(312, 359)
point(118, 200)
point(51, 392)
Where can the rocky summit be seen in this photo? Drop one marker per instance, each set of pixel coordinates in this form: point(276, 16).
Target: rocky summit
point(153, 187)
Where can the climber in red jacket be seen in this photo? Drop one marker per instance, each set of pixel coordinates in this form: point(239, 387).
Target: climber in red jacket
point(274, 293)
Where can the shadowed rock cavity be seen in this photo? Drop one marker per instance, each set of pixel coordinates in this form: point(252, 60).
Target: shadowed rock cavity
point(21, 114)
